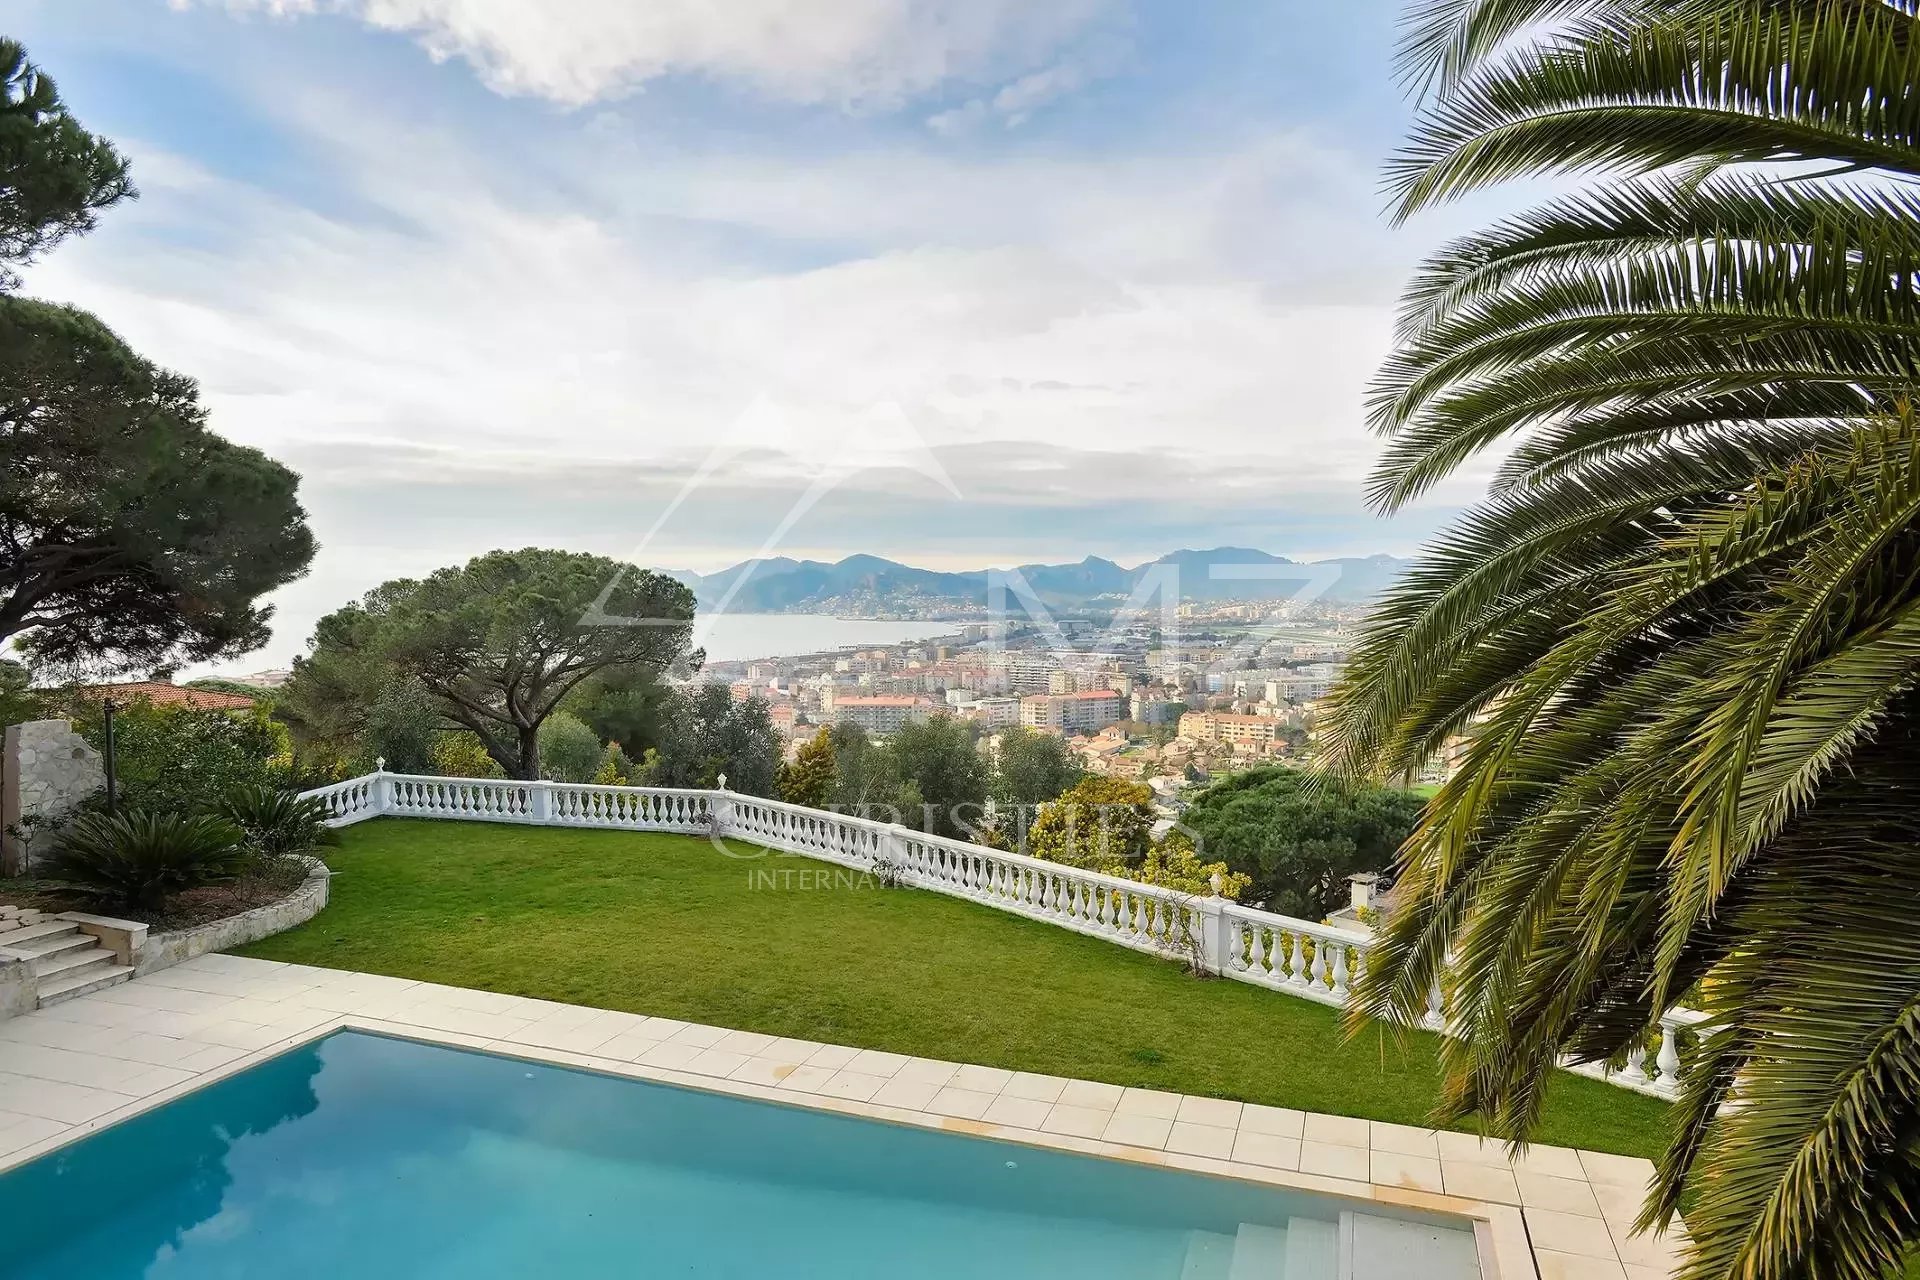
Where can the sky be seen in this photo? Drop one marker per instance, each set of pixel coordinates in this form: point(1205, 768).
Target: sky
point(956, 282)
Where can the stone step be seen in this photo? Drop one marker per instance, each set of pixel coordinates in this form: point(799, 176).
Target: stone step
point(72, 986)
point(45, 948)
point(1312, 1248)
point(19, 938)
point(1209, 1255)
point(69, 962)
point(1260, 1253)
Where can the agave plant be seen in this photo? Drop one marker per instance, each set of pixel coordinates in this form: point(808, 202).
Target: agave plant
point(276, 822)
point(137, 859)
point(1681, 635)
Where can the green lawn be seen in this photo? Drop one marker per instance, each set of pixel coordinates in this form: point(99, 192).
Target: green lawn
point(666, 925)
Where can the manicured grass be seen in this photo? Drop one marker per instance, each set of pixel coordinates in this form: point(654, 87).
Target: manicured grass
point(667, 925)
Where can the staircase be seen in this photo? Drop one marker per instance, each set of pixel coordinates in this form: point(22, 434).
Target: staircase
point(66, 962)
point(1305, 1249)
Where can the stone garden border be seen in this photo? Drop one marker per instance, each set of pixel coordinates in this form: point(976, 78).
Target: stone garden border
point(164, 950)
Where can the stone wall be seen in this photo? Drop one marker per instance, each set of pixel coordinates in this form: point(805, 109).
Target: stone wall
point(19, 987)
point(46, 772)
point(164, 950)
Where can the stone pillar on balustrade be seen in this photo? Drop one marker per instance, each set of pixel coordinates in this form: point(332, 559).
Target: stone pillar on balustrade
point(1217, 936)
point(47, 772)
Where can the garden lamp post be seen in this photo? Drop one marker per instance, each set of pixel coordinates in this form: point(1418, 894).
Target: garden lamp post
point(107, 708)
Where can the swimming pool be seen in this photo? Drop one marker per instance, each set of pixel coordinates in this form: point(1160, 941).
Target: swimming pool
point(360, 1155)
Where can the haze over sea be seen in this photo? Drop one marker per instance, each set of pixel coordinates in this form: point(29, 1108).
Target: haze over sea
point(730, 637)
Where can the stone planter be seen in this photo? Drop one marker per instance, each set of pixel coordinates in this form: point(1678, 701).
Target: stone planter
point(164, 950)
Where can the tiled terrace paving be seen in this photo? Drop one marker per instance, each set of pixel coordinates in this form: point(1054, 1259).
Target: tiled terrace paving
point(69, 1069)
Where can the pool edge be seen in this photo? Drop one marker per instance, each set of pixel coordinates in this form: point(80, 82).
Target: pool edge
point(1500, 1232)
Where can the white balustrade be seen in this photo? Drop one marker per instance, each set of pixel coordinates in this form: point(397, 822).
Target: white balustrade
point(346, 803)
point(1299, 957)
point(1313, 961)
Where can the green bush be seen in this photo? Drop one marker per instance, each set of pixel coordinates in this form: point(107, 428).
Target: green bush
point(137, 859)
point(275, 822)
point(181, 759)
point(616, 770)
point(569, 751)
point(460, 754)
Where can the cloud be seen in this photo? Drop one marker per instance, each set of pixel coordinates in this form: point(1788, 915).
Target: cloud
point(858, 54)
point(1017, 100)
point(527, 329)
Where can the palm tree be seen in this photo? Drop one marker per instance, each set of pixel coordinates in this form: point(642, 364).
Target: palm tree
point(1681, 633)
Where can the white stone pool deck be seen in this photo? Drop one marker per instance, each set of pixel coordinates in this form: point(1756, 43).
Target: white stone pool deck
point(73, 1068)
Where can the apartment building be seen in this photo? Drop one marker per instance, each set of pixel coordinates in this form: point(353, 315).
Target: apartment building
point(880, 713)
point(1072, 713)
point(1222, 726)
point(1028, 670)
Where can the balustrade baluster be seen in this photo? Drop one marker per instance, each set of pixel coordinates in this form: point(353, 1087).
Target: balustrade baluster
point(1668, 1060)
point(1635, 1071)
point(1297, 965)
point(1340, 970)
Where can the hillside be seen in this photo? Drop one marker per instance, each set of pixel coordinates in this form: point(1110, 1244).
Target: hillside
point(781, 584)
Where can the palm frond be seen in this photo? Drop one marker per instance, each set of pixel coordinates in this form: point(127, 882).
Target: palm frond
point(1740, 84)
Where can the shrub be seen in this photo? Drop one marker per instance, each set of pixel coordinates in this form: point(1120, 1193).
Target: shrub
point(1173, 863)
point(460, 755)
point(275, 822)
point(176, 758)
point(1100, 823)
point(569, 751)
point(809, 779)
point(616, 769)
point(137, 859)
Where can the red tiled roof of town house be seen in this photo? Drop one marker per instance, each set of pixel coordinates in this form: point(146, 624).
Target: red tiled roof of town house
point(162, 694)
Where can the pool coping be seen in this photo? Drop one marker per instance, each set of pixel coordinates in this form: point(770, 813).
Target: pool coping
point(1503, 1244)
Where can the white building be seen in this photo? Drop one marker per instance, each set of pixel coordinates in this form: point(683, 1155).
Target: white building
point(1028, 670)
point(1071, 713)
point(998, 713)
point(881, 713)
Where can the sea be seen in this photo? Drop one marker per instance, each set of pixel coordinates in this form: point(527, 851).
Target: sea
point(734, 637)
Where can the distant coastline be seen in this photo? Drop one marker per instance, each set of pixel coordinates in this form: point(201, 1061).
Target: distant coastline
point(740, 637)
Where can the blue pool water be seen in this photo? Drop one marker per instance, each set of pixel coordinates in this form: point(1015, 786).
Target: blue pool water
point(363, 1156)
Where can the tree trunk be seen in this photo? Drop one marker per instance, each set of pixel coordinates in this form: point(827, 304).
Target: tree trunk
point(528, 769)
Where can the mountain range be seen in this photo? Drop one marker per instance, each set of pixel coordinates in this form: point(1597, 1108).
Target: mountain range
point(783, 585)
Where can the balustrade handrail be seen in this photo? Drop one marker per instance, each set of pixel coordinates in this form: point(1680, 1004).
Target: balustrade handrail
point(1313, 929)
point(1284, 953)
point(520, 782)
point(973, 850)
